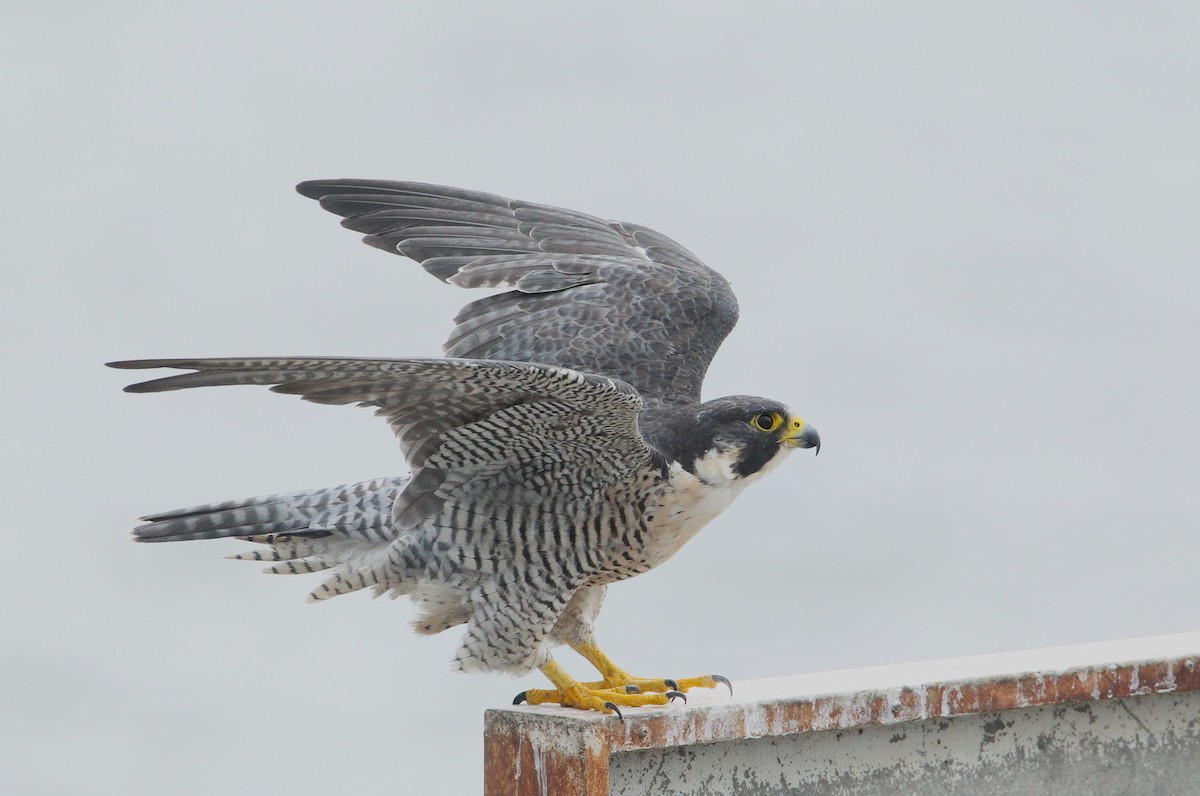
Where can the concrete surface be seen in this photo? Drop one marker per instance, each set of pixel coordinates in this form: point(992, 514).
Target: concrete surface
point(1115, 717)
point(1140, 745)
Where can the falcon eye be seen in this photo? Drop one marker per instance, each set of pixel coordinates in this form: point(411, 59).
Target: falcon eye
point(768, 421)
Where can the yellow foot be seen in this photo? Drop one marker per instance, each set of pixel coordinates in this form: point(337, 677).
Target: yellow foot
point(604, 700)
point(703, 681)
point(570, 693)
point(619, 678)
point(615, 676)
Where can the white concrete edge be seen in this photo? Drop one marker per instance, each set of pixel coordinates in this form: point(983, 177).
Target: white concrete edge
point(990, 666)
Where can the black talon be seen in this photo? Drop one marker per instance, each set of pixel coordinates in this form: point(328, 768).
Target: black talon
point(614, 709)
point(632, 689)
point(672, 694)
point(671, 684)
point(724, 680)
point(519, 698)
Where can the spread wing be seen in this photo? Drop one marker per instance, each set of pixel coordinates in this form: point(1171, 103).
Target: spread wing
point(597, 296)
point(477, 434)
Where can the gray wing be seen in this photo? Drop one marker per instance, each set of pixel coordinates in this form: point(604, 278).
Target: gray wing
point(597, 296)
point(517, 433)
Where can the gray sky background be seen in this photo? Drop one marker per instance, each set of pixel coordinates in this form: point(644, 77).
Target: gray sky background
point(964, 237)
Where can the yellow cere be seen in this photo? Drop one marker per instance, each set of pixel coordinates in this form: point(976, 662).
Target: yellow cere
point(795, 427)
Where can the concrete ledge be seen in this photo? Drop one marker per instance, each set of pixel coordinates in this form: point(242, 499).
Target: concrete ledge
point(552, 750)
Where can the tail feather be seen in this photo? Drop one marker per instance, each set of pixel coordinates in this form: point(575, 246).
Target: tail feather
point(346, 528)
point(359, 511)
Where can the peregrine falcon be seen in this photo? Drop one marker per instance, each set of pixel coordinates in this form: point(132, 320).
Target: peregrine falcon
point(560, 446)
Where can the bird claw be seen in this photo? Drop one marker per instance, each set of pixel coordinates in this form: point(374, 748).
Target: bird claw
point(624, 682)
point(603, 700)
point(619, 689)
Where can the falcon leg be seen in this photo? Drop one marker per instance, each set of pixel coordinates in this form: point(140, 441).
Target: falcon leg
point(615, 677)
point(571, 693)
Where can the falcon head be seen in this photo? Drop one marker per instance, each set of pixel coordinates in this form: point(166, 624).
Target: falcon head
point(730, 438)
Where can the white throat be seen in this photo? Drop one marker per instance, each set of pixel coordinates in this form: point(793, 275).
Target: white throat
point(692, 500)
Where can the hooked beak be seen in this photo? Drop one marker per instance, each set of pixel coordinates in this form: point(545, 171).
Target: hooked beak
point(802, 435)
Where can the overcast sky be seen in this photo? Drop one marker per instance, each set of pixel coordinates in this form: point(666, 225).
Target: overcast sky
point(965, 241)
